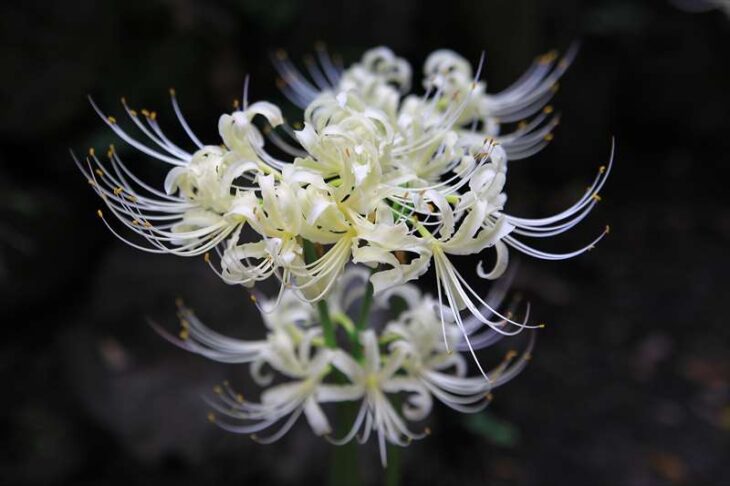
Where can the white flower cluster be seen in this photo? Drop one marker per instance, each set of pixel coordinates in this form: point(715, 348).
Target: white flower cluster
point(373, 176)
point(394, 372)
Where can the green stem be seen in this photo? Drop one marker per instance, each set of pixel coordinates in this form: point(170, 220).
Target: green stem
point(362, 320)
point(328, 330)
point(367, 302)
point(392, 472)
point(344, 469)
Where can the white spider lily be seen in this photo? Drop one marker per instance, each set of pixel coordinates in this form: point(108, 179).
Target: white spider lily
point(285, 402)
point(371, 381)
point(209, 204)
point(395, 377)
point(289, 349)
point(285, 324)
point(441, 372)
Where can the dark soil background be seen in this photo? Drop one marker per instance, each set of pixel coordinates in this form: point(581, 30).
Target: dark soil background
point(629, 381)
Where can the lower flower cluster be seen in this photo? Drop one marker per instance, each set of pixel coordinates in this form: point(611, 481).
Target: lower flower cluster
point(393, 362)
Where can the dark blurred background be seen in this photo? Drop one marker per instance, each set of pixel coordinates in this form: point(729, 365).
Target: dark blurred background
point(629, 382)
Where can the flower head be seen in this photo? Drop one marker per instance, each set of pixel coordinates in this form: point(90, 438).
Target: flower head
point(375, 176)
point(394, 369)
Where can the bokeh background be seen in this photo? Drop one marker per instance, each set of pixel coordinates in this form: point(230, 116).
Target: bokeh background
point(629, 382)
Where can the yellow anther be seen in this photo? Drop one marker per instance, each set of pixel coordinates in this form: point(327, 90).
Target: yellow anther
point(153, 115)
point(206, 257)
point(92, 152)
point(489, 397)
point(133, 112)
point(541, 325)
point(547, 57)
point(147, 224)
point(184, 334)
point(99, 213)
point(99, 172)
point(554, 88)
point(427, 431)
point(236, 104)
point(521, 125)
point(172, 91)
point(239, 398)
point(602, 169)
point(184, 324)
point(596, 197)
point(91, 182)
point(549, 137)
point(111, 119)
point(131, 198)
point(135, 222)
point(211, 417)
point(347, 151)
point(123, 100)
point(511, 354)
point(118, 191)
point(253, 298)
point(527, 357)
point(608, 229)
point(548, 109)
point(145, 112)
point(401, 256)
point(218, 390)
